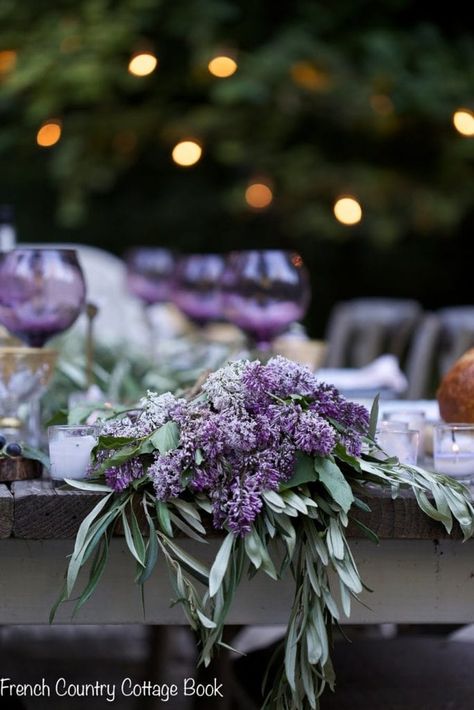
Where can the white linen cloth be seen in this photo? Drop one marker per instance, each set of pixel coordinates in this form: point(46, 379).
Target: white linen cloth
point(382, 373)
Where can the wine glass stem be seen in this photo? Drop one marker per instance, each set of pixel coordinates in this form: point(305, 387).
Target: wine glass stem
point(34, 422)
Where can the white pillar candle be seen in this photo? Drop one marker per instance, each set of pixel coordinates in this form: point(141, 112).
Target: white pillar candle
point(460, 465)
point(70, 456)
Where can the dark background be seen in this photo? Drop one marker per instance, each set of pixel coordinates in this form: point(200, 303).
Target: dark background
point(110, 180)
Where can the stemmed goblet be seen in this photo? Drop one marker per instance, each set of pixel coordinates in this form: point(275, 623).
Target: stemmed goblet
point(42, 292)
point(150, 272)
point(197, 287)
point(264, 291)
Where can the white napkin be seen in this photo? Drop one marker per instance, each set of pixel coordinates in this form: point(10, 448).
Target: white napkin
point(382, 373)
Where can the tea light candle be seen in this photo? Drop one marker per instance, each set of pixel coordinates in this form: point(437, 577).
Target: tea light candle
point(70, 450)
point(454, 450)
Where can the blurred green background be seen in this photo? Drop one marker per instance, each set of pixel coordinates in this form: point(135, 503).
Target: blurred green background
point(350, 98)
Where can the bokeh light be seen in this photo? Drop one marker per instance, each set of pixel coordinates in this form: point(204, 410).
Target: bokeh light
point(463, 120)
point(186, 153)
point(258, 195)
point(309, 77)
point(382, 104)
point(49, 134)
point(347, 210)
point(7, 61)
point(222, 66)
point(142, 64)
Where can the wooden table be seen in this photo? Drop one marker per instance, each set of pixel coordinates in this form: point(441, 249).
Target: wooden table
point(417, 574)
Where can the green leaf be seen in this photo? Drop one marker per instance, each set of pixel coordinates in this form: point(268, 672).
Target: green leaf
point(362, 505)
point(304, 472)
point(79, 414)
point(118, 458)
point(253, 546)
point(96, 573)
point(295, 501)
point(205, 621)
point(291, 647)
point(137, 534)
point(219, 567)
point(367, 531)
point(30, 452)
point(84, 485)
point(151, 553)
point(274, 500)
point(374, 417)
point(163, 515)
point(166, 437)
point(194, 566)
point(79, 547)
point(114, 442)
point(198, 457)
point(58, 418)
point(335, 540)
point(187, 529)
point(129, 539)
point(333, 480)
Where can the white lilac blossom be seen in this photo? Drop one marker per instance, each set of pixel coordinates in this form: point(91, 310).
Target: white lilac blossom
point(242, 438)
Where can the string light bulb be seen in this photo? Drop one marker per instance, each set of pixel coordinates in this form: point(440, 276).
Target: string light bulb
point(49, 134)
point(347, 210)
point(186, 153)
point(258, 195)
point(142, 64)
point(8, 59)
point(463, 120)
point(222, 66)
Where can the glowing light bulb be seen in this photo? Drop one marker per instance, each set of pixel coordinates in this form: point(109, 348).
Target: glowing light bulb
point(186, 153)
point(7, 61)
point(347, 210)
point(258, 195)
point(49, 134)
point(309, 77)
point(222, 66)
point(142, 64)
point(382, 104)
point(463, 120)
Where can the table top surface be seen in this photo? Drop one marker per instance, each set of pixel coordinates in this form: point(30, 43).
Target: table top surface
point(35, 510)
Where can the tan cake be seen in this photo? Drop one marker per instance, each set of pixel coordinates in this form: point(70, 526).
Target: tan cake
point(456, 392)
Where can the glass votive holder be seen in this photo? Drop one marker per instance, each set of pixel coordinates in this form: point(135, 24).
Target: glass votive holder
point(70, 450)
point(392, 425)
point(402, 443)
point(453, 450)
point(414, 418)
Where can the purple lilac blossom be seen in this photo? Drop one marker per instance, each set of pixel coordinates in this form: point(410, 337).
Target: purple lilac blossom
point(242, 438)
point(120, 477)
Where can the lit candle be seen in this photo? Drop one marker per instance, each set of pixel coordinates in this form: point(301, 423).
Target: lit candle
point(70, 451)
point(454, 450)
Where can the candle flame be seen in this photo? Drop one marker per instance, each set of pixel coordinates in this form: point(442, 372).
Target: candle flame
point(455, 448)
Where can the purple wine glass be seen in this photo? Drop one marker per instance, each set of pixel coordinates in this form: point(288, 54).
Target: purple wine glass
point(149, 274)
point(264, 292)
point(42, 292)
point(197, 287)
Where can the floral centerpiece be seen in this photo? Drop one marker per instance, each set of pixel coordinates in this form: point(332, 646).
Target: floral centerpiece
point(275, 460)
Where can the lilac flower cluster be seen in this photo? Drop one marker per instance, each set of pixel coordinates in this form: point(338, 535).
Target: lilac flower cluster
point(240, 437)
point(154, 410)
point(243, 438)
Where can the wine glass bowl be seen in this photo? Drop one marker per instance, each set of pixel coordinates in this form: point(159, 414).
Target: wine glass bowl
point(149, 274)
point(197, 287)
point(42, 292)
point(264, 291)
